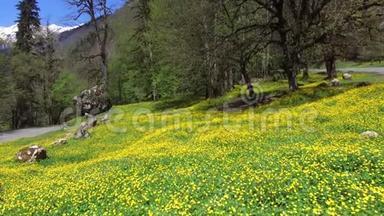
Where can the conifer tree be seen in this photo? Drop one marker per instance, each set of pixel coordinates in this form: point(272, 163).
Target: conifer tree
point(28, 24)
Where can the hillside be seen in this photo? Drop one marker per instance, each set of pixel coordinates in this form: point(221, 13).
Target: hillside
point(192, 108)
point(68, 40)
point(73, 45)
point(191, 161)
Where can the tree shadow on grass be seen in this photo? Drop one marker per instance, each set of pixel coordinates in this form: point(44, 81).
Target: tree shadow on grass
point(177, 103)
point(285, 99)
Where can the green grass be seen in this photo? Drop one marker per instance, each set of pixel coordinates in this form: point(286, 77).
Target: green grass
point(301, 154)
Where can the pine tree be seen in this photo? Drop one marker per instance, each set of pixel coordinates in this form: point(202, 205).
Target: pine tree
point(27, 69)
point(28, 24)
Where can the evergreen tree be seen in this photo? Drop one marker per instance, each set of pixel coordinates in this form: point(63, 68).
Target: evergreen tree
point(28, 24)
point(7, 96)
point(27, 69)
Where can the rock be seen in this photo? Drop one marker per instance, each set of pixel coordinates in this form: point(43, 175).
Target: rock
point(335, 82)
point(370, 134)
point(60, 142)
point(92, 120)
point(105, 119)
point(347, 76)
point(82, 132)
point(31, 154)
point(93, 101)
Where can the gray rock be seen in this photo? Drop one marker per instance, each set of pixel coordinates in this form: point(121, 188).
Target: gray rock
point(83, 132)
point(31, 154)
point(335, 82)
point(60, 142)
point(93, 101)
point(347, 76)
point(105, 119)
point(370, 134)
point(91, 121)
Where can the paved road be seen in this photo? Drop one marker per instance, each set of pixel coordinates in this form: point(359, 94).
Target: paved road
point(24, 133)
point(379, 70)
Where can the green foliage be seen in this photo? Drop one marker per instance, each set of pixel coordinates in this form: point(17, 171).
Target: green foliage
point(28, 71)
point(129, 81)
point(7, 96)
point(166, 82)
point(63, 90)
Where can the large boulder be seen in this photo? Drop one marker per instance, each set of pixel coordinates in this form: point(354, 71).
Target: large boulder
point(93, 101)
point(32, 154)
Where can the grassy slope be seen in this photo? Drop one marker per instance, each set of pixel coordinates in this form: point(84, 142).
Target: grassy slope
point(246, 166)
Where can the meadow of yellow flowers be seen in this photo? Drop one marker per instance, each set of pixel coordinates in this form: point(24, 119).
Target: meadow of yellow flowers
point(305, 159)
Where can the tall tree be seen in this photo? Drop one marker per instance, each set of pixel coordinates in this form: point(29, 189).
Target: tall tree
point(186, 45)
point(143, 52)
point(28, 24)
point(45, 49)
point(244, 45)
point(98, 11)
point(27, 68)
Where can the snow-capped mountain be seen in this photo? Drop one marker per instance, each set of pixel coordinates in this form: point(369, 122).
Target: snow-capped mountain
point(9, 33)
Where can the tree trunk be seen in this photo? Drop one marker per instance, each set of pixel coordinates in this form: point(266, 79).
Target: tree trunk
point(208, 61)
point(292, 80)
point(104, 68)
point(290, 71)
point(120, 89)
point(331, 68)
point(305, 72)
point(288, 64)
point(330, 64)
point(247, 79)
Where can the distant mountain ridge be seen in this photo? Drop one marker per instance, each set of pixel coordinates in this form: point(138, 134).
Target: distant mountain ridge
point(9, 33)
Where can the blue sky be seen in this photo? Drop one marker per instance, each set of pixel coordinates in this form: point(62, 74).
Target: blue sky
point(56, 11)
